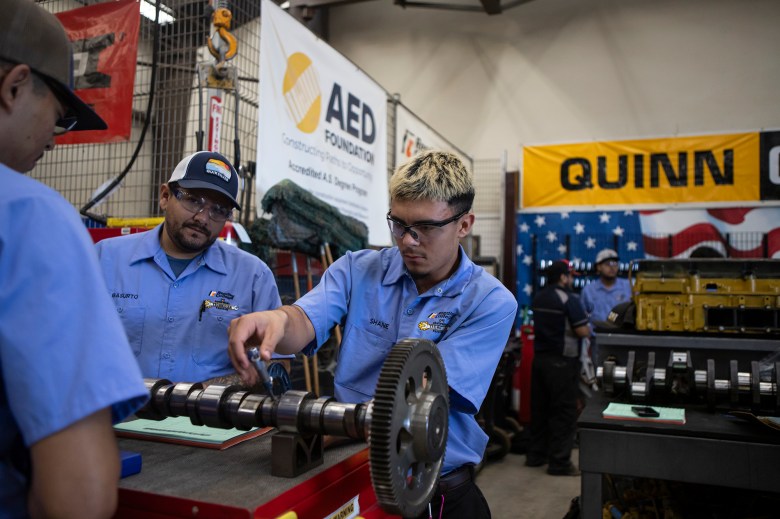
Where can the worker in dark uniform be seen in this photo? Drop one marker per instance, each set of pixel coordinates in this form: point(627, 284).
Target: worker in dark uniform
point(560, 322)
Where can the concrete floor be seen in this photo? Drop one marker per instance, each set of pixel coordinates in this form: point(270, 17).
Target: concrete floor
point(515, 491)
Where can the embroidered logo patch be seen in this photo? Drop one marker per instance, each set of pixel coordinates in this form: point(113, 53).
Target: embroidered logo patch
point(218, 168)
point(437, 322)
point(223, 295)
point(221, 305)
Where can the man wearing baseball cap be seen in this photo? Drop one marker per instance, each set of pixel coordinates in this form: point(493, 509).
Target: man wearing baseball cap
point(59, 334)
point(38, 101)
point(559, 324)
point(601, 295)
point(177, 287)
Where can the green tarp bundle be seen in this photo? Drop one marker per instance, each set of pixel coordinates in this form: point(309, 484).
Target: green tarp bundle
point(302, 222)
point(261, 244)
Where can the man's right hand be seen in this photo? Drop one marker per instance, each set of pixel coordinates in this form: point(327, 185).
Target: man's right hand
point(262, 329)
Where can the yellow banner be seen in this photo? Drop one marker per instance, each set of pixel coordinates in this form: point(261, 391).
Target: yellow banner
point(648, 172)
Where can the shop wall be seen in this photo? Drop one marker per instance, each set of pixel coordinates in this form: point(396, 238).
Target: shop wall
point(555, 71)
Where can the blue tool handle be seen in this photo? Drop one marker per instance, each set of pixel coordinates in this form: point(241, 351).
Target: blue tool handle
point(268, 382)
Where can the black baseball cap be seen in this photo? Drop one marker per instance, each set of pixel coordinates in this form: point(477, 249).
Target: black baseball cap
point(557, 268)
point(622, 315)
point(35, 37)
point(207, 170)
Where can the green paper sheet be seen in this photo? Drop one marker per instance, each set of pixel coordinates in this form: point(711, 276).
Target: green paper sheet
point(665, 414)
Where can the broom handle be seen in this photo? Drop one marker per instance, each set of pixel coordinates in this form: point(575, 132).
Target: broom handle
point(315, 363)
point(329, 261)
point(297, 286)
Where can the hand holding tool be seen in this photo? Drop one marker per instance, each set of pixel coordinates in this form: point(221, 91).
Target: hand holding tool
point(268, 382)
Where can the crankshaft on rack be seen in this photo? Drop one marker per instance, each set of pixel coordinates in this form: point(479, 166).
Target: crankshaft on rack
point(642, 382)
point(405, 424)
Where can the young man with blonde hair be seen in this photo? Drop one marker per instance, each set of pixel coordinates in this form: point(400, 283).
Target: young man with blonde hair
point(424, 287)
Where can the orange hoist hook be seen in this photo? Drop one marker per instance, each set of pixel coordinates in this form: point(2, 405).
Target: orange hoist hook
point(226, 45)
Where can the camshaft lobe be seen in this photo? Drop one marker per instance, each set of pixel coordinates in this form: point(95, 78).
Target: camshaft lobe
point(226, 407)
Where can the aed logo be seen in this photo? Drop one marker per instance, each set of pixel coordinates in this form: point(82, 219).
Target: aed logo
point(301, 91)
point(355, 117)
point(641, 171)
point(303, 99)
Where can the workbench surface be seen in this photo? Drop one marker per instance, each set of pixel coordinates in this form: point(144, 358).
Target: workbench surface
point(239, 476)
point(710, 448)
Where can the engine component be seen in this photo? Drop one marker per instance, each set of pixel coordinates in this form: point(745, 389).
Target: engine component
point(405, 424)
point(409, 428)
point(679, 378)
point(707, 295)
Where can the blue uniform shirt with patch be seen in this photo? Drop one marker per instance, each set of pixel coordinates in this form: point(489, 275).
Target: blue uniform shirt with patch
point(63, 353)
point(598, 299)
point(372, 295)
point(177, 327)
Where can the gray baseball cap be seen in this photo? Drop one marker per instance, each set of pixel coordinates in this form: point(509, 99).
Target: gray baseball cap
point(606, 255)
point(35, 37)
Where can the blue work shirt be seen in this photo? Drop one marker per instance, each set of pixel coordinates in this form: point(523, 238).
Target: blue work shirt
point(177, 327)
point(63, 352)
point(469, 317)
point(599, 299)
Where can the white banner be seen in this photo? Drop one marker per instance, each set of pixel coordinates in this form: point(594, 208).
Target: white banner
point(414, 136)
point(322, 123)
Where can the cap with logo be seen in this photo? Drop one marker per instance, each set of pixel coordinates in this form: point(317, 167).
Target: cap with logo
point(207, 170)
point(557, 268)
point(33, 36)
point(606, 255)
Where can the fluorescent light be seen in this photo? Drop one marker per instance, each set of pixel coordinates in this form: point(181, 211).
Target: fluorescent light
point(285, 5)
point(148, 9)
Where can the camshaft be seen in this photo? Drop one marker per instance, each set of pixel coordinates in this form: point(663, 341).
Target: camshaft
point(226, 407)
point(405, 425)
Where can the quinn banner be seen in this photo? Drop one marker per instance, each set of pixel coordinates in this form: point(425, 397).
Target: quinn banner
point(105, 41)
point(322, 123)
point(711, 170)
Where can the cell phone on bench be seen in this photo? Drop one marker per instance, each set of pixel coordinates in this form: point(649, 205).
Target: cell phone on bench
point(645, 411)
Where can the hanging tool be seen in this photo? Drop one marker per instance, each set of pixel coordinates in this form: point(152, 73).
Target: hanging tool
point(218, 77)
point(222, 44)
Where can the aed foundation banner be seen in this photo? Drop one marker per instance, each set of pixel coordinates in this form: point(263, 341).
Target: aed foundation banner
point(708, 170)
point(414, 136)
point(322, 123)
point(105, 43)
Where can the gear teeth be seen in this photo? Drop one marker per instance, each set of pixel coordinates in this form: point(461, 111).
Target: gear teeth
point(388, 478)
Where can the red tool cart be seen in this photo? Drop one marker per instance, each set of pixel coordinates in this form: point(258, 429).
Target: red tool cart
point(179, 481)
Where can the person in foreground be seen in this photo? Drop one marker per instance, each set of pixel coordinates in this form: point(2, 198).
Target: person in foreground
point(425, 287)
point(66, 369)
point(177, 287)
point(560, 324)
